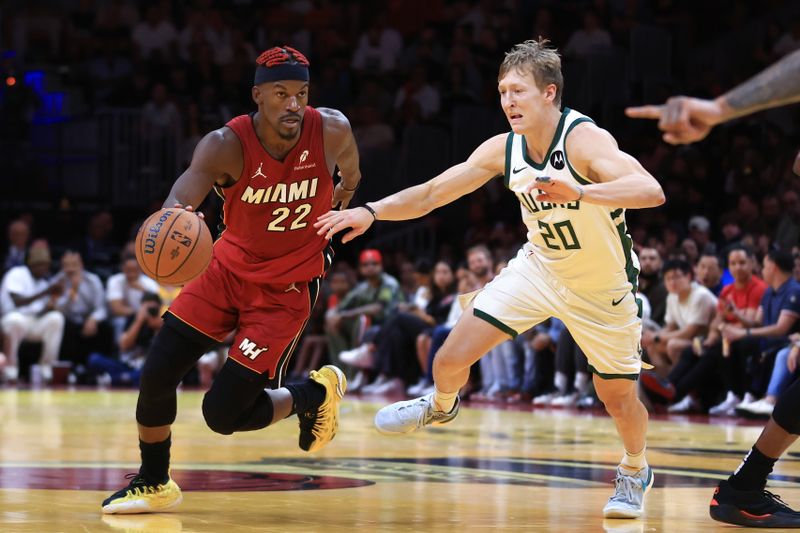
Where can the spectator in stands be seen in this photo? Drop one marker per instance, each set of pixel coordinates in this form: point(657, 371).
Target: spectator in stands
point(378, 49)
point(688, 384)
point(417, 99)
point(776, 319)
point(98, 250)
point(591, 39)
point(155, 34)
point(651, 283)
point(708, 272)
point(140, 329)
point(787, 233)
point(160, 117)
point(28, 299)
point(367, 305)
point(372, 132)
point(539, 361)
point(690, 308)
point(124, 293)
point(83, 304)
point(700, 233)
point(19, 233)
point(784, 373)
point(395, 345)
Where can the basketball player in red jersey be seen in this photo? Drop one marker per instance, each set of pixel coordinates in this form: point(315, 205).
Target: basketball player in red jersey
point(274, 168)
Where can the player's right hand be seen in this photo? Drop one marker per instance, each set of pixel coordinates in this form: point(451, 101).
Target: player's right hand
point(190, 209)
point(682, 119)
point(358, 219)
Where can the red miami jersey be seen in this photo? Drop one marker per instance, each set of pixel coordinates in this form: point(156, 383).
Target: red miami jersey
point(269, 212)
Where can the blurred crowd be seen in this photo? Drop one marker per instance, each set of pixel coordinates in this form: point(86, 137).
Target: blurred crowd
point(731, 223)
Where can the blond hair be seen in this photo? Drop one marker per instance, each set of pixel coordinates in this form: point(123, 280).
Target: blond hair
point(536, 58)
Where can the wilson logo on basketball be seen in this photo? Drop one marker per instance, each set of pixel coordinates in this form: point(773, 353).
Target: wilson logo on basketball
point(152, 232)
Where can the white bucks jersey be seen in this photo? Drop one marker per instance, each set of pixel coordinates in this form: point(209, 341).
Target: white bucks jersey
point(583, 245)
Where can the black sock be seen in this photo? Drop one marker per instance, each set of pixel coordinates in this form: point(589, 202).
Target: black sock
point(753, 472)
point(306, 396)
point(155, 460)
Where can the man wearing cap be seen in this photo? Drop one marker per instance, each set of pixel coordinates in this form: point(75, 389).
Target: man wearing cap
point(28, 300)
point(274, 168)
point(351, 324)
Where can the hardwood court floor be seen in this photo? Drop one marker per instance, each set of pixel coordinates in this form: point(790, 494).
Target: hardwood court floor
point(63, 451)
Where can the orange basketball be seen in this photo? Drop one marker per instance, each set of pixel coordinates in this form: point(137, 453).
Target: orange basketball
point(173, 246)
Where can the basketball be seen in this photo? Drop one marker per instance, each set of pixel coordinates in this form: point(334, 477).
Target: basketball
point(173, 246)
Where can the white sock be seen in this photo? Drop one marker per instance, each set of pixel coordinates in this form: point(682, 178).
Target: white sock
point(634, 462)
point(444, 401)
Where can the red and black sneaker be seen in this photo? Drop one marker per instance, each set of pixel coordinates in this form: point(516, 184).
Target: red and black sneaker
point(657, 385)
point(751, 508)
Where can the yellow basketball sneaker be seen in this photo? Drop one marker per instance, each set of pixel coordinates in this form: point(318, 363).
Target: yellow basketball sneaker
point(318, 426)
point(143, 496)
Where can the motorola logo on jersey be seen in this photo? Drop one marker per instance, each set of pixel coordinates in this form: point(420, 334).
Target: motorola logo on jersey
point(557, 160)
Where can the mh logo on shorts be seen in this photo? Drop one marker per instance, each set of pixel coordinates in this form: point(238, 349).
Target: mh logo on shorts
point(250, 350)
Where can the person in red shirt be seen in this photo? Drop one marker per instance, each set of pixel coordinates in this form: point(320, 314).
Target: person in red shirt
point(274, 168)
point(738, 304)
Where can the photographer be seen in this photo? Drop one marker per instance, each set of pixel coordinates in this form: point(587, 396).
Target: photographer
point(134, 342)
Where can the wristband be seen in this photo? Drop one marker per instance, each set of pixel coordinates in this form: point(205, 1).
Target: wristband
point(580, 193)
point(354, 189)
point(747, 332)
point(371, 211)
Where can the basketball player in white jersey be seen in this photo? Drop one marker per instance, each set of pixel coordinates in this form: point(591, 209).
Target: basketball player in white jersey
point(573, 184)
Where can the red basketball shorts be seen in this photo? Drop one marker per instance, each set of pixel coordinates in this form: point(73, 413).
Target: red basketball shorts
point(268, 319)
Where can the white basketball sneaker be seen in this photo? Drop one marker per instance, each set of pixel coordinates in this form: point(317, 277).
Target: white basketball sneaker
point(629, 491)
point(411, 415)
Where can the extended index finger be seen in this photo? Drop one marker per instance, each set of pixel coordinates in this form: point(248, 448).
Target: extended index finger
point(645, 111)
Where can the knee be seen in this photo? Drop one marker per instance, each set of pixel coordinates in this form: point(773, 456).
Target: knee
point(618, 404)
point(217, 416)
point(53, 320)
point(14, 324)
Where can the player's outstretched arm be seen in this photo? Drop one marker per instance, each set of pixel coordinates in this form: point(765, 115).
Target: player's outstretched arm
point(486, 162)
point(686, 120)
point(618, 180)
point(217, 159)
point(340, 142)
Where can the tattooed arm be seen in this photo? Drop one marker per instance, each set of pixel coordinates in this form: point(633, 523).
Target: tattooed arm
point(684, 119)
point(776, 86)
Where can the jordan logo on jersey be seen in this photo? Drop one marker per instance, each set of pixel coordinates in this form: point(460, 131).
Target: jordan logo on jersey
point(258, 172)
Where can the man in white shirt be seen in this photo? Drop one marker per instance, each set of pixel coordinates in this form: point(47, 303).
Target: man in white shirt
point(690, 308)
point(28, 299)
point(124, 293)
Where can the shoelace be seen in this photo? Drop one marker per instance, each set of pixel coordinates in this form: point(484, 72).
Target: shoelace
point(624, 488)
point(139, 484)
point(777, 501)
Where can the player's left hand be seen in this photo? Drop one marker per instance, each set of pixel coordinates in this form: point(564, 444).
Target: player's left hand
point(554, 190)
point(359, 219)
point(341, 197)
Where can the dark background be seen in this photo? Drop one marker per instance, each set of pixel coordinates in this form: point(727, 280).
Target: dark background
point(97, 120)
